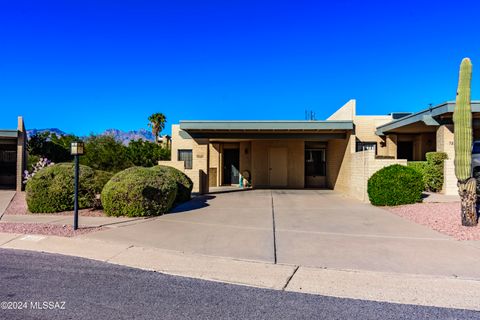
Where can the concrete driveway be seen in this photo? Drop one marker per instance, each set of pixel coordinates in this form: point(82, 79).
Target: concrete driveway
point(318, 228)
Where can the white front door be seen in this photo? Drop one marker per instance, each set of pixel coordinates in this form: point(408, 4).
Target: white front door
point(277, 163)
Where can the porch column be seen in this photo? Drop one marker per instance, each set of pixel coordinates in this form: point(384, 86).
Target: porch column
point(445, 140)
point(21, 154)
point(391, 144)
point(445, 144)
point(201, 154)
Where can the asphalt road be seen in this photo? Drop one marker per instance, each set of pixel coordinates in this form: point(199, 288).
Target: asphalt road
point(49, 286)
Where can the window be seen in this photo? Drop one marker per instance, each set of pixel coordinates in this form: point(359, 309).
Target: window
point(186, 157)
point(363, 146)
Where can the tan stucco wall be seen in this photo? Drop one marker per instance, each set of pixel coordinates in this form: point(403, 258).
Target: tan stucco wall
point(200, 159)
point(365, 127)
point(246, 157)
point(338, 151)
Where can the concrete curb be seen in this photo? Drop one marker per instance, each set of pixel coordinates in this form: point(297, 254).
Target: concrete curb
point(423, 290)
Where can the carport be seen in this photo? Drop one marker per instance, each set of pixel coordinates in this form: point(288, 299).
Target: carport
point(13, 157)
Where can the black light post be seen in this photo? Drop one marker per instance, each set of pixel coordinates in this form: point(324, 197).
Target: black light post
point(76, 151)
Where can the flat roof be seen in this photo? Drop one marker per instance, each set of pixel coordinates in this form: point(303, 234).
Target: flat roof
point(8, 133)
point(426, 116)
point(267, 125)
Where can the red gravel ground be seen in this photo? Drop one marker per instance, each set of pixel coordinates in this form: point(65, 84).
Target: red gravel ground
point(19, 206)
point(442, 217)
point(45, 229)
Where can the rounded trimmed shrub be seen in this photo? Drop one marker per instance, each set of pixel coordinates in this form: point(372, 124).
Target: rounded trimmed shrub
point(395, 185)
point(184, 183)
point(51, 189)
point(139, 192)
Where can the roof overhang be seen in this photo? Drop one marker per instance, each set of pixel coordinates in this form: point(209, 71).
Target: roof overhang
point(426, 118)
point(267, 129)
point(8, 133)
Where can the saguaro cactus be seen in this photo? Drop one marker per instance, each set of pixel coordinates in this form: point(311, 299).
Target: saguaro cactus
point(462, 120)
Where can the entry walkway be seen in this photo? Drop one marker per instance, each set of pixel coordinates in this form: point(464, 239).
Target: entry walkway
point(317, 228)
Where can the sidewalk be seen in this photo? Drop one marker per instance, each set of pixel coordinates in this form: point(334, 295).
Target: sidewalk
point(439, 291)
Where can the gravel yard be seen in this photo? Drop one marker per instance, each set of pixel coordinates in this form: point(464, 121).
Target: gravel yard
point(442, 217)
point(45, 229)
point(19, 206)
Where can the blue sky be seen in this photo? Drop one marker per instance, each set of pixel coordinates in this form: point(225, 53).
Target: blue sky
point(85, 66)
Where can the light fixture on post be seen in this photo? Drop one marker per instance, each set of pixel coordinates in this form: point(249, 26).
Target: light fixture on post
point(76, 149)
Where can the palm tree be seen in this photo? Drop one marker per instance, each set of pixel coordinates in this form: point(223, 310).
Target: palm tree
point(157, 123)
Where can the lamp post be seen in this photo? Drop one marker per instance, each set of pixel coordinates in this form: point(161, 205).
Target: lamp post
point(77, 149)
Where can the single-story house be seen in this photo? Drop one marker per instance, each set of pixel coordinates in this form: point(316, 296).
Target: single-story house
point(13, 156)
point(340, 153)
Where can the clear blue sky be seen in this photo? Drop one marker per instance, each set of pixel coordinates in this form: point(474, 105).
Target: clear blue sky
point(84, 66)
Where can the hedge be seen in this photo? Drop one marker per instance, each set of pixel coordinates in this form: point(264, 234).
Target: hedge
point(395, 185)
point(138, 192)
point(419, 166)
point(431, 170)
point(52, 189)
point(433, 175)
point(184, 183)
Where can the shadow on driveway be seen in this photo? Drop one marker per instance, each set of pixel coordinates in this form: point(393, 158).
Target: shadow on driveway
point(194, 204)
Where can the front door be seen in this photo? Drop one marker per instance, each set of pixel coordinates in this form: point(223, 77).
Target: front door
point(405, 150)
point(277, 161)
point(231, 166)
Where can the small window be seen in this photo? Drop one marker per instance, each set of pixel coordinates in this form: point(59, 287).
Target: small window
point(364, 146)
point(476, 148)
point(186, 157)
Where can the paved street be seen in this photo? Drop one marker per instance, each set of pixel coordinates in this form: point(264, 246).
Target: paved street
point(95, 290)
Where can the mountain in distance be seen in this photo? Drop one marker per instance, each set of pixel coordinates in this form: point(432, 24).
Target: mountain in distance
point(122, 136)
point(57, 131)
point(126, 136)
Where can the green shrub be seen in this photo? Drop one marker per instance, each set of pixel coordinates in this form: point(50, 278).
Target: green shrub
point(146, 153)
point(138, 191)
point(184, 183)
point(105, 153)
point(101, 179)
point(436, 158)
point(32, 160)
point(419, 166)
point(395, 185)
point(433, 174)
point(52, 189)
point(431, 170)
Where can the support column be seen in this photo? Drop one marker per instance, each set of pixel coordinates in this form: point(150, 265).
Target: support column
point(445, 143)
point(21, 154)
point(445, 140)
point(391, 141)
point(201, 159)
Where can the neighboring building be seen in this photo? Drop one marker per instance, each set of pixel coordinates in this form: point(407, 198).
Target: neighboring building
point(13, 156)
point(340, 153)
point(165, 141)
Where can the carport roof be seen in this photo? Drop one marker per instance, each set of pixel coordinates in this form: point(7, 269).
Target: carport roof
point(8, 133)
point(265, 125)
point(316, 130)
point(427, 117)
